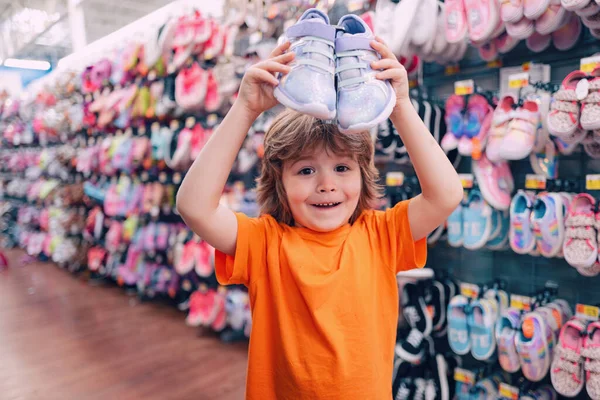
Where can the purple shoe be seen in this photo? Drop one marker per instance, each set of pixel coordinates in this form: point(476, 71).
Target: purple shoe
point(362, 100)
point(309, 88)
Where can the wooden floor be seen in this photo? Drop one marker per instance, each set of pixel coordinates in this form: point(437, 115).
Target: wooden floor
point(61, 338)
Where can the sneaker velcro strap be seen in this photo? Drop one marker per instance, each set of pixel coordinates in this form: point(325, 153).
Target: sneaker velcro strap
point(591, 352)
point(581, 233)
point(311, 28)
point(565, 95)
point(567, 355)
point(592, 97)
point(565, 106)
point(349, 43)
point(580, 220)
point(567, 366)
point(592, 366)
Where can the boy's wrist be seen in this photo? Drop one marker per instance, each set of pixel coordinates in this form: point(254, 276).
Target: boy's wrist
point(402, 106)
point(241, 109)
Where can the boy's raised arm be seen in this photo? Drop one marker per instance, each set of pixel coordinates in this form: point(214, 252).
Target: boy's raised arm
point(441, 187)
point(200, 192)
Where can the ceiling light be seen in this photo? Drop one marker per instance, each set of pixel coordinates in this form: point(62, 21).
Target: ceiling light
point(27, 64)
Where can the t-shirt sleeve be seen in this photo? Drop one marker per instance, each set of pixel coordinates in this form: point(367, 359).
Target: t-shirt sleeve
point(394, 238)
point(249, 260)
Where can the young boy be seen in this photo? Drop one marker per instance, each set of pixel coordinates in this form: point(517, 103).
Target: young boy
point(320, 265)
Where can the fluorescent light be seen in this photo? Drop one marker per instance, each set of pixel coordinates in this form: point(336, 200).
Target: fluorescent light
point(27, 64)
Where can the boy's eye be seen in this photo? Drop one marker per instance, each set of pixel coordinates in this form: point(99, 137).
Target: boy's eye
point(341, 168)
point(306, 171)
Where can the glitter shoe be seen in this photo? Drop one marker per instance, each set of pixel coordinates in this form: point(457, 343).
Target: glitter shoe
point(309, 88)
point(356, 80)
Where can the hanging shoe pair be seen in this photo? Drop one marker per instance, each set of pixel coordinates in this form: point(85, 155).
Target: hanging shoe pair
point(356, 99)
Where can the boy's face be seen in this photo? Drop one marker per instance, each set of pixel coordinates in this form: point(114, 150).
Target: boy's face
point(322, 189)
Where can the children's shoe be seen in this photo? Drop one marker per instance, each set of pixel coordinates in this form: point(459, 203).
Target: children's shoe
point(552, 19)
point(483, 18)
point(482, 320)
point(573, 5)
point(310, 87)
point(591, 9)
point(454, 118)
point(501, 241)
point(563, 118)
point(538, 42)
point(505, 43)
point(477, 221)
point(412, 348)
point(591, 352)
point(521, 237)
point(520, 138)
point(493, 182)
point(547, 221)
point(355, 79)
point(438, 304)
point(566, 37)
point(456, 21)
point(590, 104)
point(458, 326)
point(506, 330)
point(511, 10)
point(503, 114)
point(581, 247)
point(415, 310)
point(455, 227)
point(533, 9)
point(532, 347)
point(567, 372)
point(521, 29)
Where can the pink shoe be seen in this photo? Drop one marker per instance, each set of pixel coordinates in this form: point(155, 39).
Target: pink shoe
point(455, 106)
point(502, 116)
point(567, 368)
point(456, 21)
point(563, 118)
point(483, 18)
point(572, 5)
point(538, 42)
point(488, 52)
point(591, 9)
point(505, 43)
point(581, 245)
point(520, 137)
point(511, 10)
point(590, 105)
point(591, 352)
point(552, 19)
point(521, 29)
point(533, 9)
point(494, 182)
point(568, 35)
point(592, 22)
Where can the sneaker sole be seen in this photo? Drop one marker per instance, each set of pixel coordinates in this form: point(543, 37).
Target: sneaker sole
point(319, 111)
point(384, 115)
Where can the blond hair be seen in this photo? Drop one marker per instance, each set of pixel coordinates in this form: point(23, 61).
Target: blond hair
point(293, 135)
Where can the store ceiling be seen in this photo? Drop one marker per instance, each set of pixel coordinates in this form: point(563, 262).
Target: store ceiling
point(39, 29)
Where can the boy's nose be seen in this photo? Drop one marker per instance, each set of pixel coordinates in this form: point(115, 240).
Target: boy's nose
point(327, 184)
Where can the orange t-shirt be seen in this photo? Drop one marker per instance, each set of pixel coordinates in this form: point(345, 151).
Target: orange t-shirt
point(324, 305)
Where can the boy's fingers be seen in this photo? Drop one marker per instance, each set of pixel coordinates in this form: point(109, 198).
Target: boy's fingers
point(385, 63)
point(273, 66)
point(383, 49)
point(262, 75)
point(390, 74)
point(284, 58)
point(279, 50)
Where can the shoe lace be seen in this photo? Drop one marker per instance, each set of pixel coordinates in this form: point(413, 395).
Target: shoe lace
point(415, 338)
point(309, 47)
point(412, 315)
point(350, 66)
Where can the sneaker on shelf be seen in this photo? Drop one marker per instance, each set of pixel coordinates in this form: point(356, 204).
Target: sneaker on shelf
point(438, 305)
point(567, 372)
point(458, 327)
point(412, 349)
point(477, 221)
point(521, 237)
point(547, 221)
point(591, 352)
point(563, 119)
point(482, 320)
point(494, 182)
point(420, 389)
point(309, 88)
point(532, 347)
point(414, 308)
point(455, 227)
point(438, 388)
point(581, 246)
point(506, 330)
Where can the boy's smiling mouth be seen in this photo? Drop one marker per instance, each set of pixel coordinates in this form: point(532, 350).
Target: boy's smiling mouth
point(326, 205)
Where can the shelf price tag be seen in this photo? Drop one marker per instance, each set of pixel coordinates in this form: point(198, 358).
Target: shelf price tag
point(508, 392)
point(592, 182)
point(587, 312)
point(522, 303)
point(452, 69)
point(588, 64)
point(533, 181)
point(466, 180)
point(517, 81)
point(464, 376)
point(469, 290)
point(462, 88)
point(394, 179)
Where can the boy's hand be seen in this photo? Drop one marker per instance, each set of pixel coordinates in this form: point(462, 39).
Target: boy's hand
point(392, 70)
point(256, 90)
